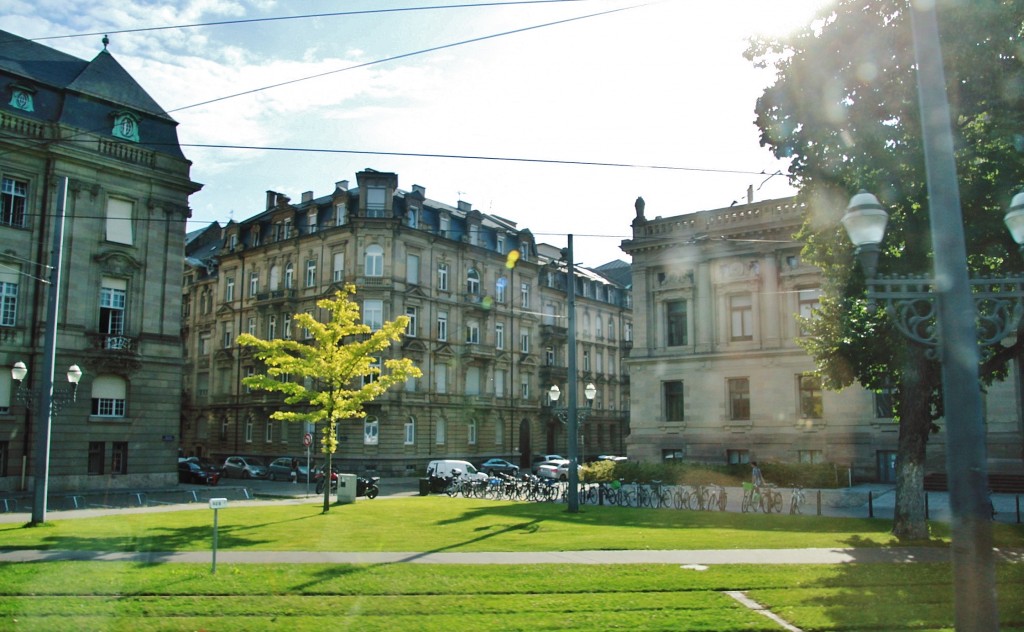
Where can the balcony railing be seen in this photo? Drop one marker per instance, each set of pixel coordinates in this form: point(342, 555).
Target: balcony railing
point(118, 343)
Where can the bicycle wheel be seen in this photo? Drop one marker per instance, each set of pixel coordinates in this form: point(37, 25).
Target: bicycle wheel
point(677, 500)
point(723, 500)
point(777, 501)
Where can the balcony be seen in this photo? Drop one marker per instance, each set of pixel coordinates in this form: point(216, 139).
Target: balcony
point(372, 281)
point(275, 296)
point(481, 352)
point(114, 352)
point(552, 374)
point(553, 334)
point(477, 302)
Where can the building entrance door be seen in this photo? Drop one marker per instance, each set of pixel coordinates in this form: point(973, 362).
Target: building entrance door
point(886, 466)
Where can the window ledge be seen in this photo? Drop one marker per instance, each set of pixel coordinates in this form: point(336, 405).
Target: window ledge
point(101, 419)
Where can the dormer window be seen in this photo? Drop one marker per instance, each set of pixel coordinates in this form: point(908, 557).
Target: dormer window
point(376, 198)
point(312, 222)
point(126, 126)
point(22, 98)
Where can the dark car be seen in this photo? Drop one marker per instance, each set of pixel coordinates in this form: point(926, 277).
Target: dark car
point(192, 472)
point(496, 466)
point(207, 464)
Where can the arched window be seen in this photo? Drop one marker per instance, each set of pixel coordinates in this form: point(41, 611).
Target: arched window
point(275, 278)
point(371, 431)
point(410, 431)
point(289, 276)
point(373, 266)
point(472, 281)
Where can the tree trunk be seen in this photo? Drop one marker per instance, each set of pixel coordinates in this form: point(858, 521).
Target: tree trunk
point(909, 521)
point(328, 468)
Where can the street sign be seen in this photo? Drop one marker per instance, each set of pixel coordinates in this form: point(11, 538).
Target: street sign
point(218, 503)
point(307, 440)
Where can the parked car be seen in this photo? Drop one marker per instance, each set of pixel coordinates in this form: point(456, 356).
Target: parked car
point(609, 457)
point(499, 466)
point(244, 467)
point(547, 470)
point(192, 472)
point(206, 464)
point(562, 471)
point(445, 468)
point(544, 458)
point(287, 468)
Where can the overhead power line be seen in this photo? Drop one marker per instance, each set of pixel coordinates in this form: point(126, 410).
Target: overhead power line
point(549, 161)
point(422, 51)
point(146, 29)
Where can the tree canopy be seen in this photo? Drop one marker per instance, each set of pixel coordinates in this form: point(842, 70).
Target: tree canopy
point(844, 110)
point(334, 372)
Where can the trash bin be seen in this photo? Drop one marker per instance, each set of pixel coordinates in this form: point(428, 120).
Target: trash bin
point(346, 488)
point(424, 486)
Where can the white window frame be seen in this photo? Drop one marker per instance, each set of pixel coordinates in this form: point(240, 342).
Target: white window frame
point(339, 267)
point(310, 272)
point(373, 313)
point(442, 326)
point(442, 277)
point(371, 431)
point(410, 431)
point(373, 261)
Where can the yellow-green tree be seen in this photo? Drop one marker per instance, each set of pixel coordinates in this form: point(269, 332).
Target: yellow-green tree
point(334, 373)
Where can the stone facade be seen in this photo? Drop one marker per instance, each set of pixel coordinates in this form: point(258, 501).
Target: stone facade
point(90, 124)
point(487, 305)
point(717, 372)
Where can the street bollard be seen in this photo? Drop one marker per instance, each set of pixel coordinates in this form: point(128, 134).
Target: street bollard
point(871, 505)
point(926, 517)
point(819, 502)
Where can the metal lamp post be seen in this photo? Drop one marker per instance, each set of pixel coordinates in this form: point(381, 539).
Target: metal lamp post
point(573, 418)
point(45, 401)
point(955, 310)
point(965, 312)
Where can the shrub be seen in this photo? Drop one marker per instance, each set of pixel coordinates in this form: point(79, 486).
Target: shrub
point(816, 476)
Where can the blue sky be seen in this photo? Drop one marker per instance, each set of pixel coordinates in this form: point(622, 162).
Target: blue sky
point(661, 84)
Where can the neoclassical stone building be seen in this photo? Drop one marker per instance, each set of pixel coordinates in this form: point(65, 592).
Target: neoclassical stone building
point(717, 373)
point(486, 304)
point(91, 125)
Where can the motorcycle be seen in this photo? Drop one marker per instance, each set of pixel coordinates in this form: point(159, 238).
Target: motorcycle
point(365, 486)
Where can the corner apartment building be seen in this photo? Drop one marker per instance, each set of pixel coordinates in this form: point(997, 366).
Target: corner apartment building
point(89, 123)
point(487, 327)
point(717, 372)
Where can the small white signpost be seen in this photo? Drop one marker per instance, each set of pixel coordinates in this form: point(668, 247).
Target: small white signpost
point(215, 504)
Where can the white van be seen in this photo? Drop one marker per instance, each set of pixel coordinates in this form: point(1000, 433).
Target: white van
point(446, 467)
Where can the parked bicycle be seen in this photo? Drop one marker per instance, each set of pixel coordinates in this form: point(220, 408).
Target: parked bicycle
point(716, 498)
point(771, 498)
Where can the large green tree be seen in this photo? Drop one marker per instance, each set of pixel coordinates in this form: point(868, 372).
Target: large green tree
point(844, 110)
point(336, 371)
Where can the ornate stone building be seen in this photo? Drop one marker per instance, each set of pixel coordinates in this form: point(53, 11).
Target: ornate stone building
point(718, 375)
point(486, 327)
point(88, 123)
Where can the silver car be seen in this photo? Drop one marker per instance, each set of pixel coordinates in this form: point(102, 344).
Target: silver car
point(244, 467)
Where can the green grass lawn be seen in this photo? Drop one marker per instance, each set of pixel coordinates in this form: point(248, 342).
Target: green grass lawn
point(127, 596)
point(434, 523)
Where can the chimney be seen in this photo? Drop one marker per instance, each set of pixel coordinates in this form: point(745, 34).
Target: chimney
point(750, 194)
point(465, 206)
point(341, 185)
point(307, 196)
point(418, 189)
